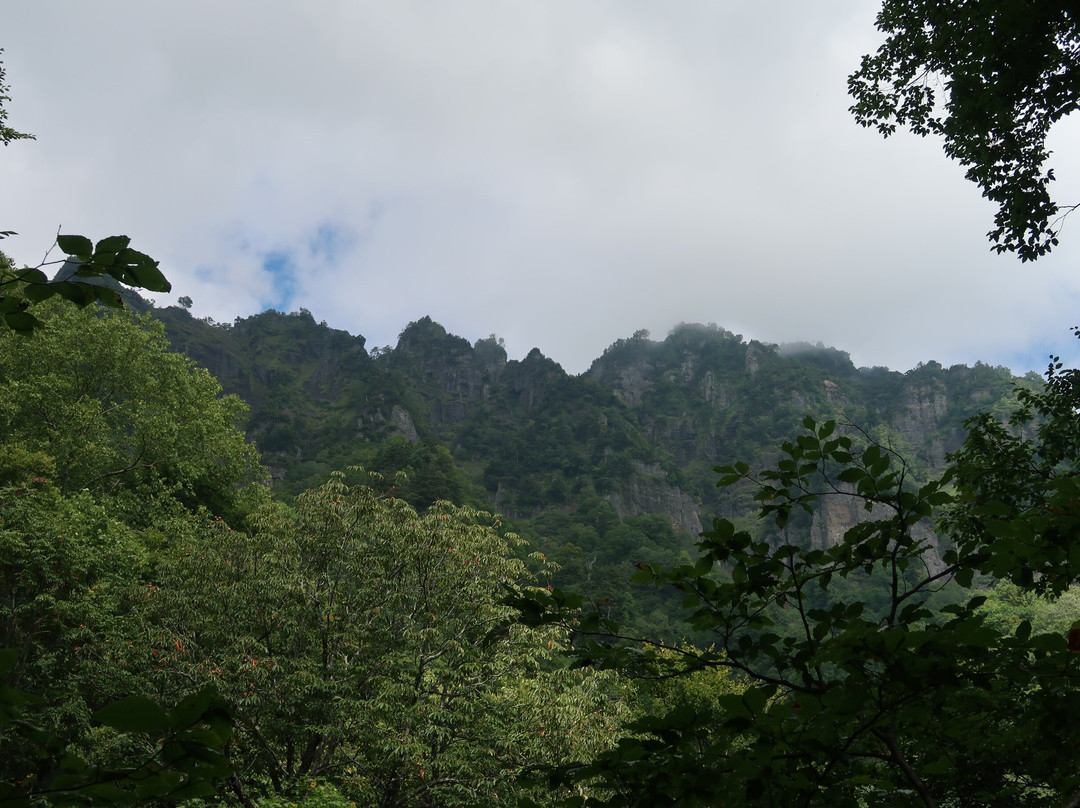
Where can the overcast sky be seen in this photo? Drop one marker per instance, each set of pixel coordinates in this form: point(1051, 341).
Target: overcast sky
point(560, 173)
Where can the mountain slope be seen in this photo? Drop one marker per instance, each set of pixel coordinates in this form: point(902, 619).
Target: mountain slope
point(596, 470)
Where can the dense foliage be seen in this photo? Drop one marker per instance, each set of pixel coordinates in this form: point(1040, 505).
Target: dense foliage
point(90, 274)
point(121, 416)
point(170, 631)
point(346, 641)
point(877, 671)
point(991, 77)
point(107, 438)
point(596, 471)
point(363, 645)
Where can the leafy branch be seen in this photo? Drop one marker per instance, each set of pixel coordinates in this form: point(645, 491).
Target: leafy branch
point(94, 266)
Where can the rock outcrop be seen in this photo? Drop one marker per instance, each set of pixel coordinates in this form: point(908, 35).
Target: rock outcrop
point(648, 491)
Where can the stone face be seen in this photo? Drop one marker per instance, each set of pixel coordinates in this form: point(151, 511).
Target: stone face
point(922, 410)
point(401, 423)
point(648, 491)
point(835, 515)
point(632, 383)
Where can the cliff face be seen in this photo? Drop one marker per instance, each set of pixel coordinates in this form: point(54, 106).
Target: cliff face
point(922, 410)
point(256, 357)
point(445, 369)
point(835, 515)
point(649, 491)
point(704, 395)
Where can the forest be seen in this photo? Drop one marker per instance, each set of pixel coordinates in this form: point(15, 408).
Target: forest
point(182, 623)
point(257, 564)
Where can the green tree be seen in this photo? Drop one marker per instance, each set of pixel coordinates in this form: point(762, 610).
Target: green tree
point(120, 415)
point(862, 690)
point(64, 565)
point(363, 645)
point(64, 562)
point(675, 718)
point(991, 77)
point(1007, 606)
point(68, 737)
point(105, 433)
point(182, 752)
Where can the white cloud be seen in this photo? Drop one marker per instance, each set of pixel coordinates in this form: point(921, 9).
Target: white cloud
point(560, 173)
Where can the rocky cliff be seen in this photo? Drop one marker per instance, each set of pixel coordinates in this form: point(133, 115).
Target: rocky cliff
point(640, 430)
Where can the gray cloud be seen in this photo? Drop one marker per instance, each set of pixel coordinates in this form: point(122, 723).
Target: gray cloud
point(559, 173)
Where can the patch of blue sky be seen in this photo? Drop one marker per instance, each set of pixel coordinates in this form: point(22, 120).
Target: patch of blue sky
point(1037, 358)
point(282, 269)
point(293, 264)
point(330, 240)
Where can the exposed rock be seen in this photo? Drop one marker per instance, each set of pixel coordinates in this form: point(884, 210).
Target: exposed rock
point(632, 383)
point(702, 396)
point(835, 515)
point(923, 407)
point(752, 358)
point(527, 381)
point(401, 423)
point(714, 392)
point(647, 491)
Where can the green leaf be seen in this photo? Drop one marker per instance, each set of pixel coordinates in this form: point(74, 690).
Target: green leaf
point(32, 275)
point(108, 794)
point(145, 273)
point(755, 789)
point(81, 294)
point(77, 246)
point(134, 714)
point(194, 707)
point(851, 474)
point(39, 292)
point(22, 321)
point(110, 297)
point(109, 247)
point(1023, 631)
point(192, 790)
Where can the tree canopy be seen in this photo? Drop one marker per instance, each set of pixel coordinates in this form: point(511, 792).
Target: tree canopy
point(875, 674)
point(120, 415)
point(991, 77)
point(364, 645)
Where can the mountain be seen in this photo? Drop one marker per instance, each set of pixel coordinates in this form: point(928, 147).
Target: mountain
point(595, 470)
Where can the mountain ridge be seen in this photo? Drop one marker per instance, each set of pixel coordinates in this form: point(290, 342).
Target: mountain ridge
point(593, 470)
point(701, 395)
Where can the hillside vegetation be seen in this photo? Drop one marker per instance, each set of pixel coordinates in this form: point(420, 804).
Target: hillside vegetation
point(598, 471)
